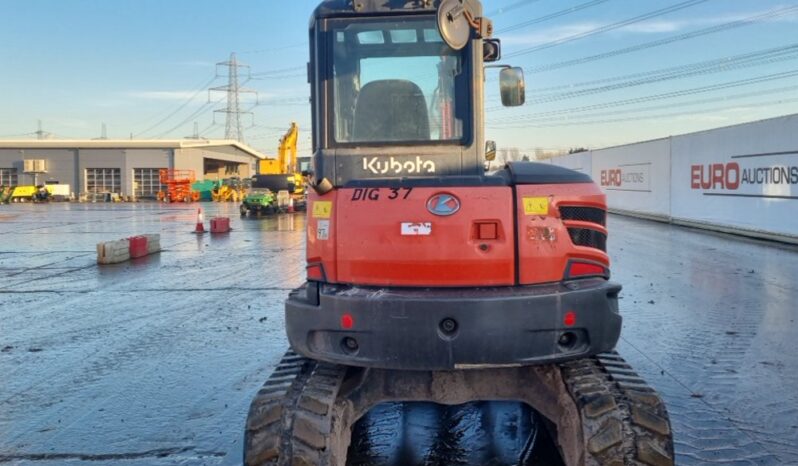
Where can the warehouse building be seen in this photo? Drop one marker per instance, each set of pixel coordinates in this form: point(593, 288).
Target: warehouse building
point(124, 167)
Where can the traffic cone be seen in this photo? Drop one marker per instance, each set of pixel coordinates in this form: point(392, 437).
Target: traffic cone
point(291, 205)
point(200, 228)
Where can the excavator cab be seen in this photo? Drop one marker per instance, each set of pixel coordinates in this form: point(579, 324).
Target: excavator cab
point(393, 96)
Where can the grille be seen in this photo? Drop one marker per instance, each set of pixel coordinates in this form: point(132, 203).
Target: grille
point(584, 214)
point(590, 238)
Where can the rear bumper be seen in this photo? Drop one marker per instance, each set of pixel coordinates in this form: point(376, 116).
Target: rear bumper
point(403, 328)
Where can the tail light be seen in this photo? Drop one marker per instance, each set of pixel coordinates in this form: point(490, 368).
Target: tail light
point(584, 269)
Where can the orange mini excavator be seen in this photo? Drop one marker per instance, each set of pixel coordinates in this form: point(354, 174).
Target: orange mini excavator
point(431, 279)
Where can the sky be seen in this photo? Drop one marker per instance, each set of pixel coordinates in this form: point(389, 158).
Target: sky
point(598, 72)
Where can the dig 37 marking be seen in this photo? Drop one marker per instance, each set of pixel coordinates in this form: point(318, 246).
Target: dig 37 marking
point(373, 194)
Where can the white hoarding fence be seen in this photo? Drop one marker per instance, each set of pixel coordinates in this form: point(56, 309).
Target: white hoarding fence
point(741, 178)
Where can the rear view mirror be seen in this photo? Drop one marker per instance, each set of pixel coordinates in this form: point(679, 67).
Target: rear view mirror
point(491, 50)
point(490, 151)
point(512, 86)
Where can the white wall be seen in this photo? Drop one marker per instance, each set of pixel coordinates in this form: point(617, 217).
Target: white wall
point(743, 176)
point(740, 178)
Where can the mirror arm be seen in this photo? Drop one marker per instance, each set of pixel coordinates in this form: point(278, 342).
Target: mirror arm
point(483, 26)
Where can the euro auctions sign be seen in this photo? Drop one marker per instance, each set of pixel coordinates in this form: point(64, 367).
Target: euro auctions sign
point(764, 175)
point(631, 177)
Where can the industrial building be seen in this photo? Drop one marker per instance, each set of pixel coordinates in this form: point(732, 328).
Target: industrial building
point(124, 167)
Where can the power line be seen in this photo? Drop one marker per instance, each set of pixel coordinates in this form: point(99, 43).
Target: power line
point(667, 95)
point(608, 27)
point(286, 101)
point(565, 123)
point(196, 113)
point(208, 128)
point(511, 7)
point(700, 69)
point(279, 71)
point(708, 64)
point(8, 136)
point(564, 115)
point(275, 49)
point(178, 109)
point(284, 76)
point(665, 41)
point(554, 15)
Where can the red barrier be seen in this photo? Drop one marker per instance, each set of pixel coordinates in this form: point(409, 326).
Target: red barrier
point(220, 225)
point(138, 246)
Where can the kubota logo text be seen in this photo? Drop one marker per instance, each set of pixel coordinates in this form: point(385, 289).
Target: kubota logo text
point(382, 166)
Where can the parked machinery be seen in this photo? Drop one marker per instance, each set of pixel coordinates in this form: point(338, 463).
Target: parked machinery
point(178, 186)
point(279, 185)
point(230, 190)
point(5, 194)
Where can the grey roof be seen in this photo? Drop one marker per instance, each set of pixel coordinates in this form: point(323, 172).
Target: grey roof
point(127, 144)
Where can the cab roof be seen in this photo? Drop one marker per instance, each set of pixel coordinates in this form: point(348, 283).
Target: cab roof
point(344, 8)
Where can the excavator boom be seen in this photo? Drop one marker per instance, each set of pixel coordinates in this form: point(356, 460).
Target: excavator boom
point(288, 146)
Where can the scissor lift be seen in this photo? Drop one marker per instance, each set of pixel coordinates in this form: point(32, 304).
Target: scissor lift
point(178, 186)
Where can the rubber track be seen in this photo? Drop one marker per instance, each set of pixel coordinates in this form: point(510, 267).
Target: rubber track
point(624, 421)
point(289, 419)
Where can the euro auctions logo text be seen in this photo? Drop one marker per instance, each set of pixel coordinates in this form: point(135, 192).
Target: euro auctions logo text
point(731, 176)
point(616, 178)
point(632, 177)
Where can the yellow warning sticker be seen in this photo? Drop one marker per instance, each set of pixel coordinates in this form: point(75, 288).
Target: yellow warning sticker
point(536, 205)
point(322, 209)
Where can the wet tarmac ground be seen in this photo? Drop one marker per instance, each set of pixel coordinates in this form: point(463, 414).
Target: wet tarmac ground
point(154, 362)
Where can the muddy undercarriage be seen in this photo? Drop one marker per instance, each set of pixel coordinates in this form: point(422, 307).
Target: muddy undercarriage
point(599, 410)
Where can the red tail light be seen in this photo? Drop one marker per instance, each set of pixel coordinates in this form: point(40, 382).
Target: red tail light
point(586, 269)
point(347, 321)
point(569, 320)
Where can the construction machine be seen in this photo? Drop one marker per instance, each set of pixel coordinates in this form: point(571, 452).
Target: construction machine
point(430, 279)
point(285, 166)
point(178, 186)
point(276, 175)
point(5, 194)
point(259, 201)
point(286, 160)
point(229, 190)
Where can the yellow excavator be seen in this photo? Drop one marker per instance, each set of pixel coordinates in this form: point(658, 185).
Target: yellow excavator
point(286, 161)
point(279, 185)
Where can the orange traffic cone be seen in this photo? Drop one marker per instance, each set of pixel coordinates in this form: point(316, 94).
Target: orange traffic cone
point(200, 228)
